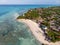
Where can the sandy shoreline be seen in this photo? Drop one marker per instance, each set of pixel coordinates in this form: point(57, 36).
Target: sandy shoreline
point(37, 32)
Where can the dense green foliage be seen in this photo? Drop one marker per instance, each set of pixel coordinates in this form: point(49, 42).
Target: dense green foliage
point(53, 35)
point(47, 14)
point(30, 15)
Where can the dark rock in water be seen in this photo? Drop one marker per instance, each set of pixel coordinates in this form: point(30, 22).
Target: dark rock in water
point(42, 44)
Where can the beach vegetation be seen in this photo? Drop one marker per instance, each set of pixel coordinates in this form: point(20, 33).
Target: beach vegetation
point(50, 17)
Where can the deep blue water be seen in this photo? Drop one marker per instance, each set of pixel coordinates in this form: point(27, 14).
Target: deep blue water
point(13, 32)
point(19, 8)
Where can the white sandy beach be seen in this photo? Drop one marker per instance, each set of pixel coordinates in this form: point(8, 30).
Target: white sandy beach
point(37, 32)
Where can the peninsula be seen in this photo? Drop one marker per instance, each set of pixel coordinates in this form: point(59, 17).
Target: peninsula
point(44, 24)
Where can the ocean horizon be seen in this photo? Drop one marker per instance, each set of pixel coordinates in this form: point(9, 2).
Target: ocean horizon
point(16, 33)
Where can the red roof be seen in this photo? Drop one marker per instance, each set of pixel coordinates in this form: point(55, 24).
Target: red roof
point(58, 36)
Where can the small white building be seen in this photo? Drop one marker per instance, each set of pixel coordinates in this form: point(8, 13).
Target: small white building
point(45, 28)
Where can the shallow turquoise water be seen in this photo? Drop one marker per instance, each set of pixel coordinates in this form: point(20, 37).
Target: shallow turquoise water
point(13, 32)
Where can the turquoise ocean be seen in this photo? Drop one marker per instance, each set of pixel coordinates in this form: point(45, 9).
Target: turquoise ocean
point(13, 32)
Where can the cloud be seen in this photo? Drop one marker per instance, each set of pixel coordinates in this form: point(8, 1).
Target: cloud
point(30, 2)
point(3, 1)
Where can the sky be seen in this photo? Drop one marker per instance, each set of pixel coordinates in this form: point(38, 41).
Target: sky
point(29, 1)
